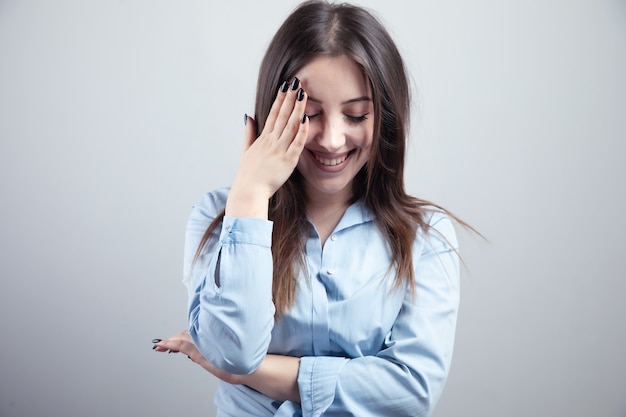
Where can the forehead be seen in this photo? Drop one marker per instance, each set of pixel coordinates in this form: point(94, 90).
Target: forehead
point(334, 78)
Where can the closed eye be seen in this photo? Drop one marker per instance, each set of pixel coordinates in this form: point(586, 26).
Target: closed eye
point(350, 118)
point(357, 119)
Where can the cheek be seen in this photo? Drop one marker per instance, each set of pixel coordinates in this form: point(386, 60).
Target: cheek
point(312, 133)
point(365, 136)
point(364, 142)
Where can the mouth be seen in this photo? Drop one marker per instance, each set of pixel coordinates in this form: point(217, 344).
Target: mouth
point(331, 160)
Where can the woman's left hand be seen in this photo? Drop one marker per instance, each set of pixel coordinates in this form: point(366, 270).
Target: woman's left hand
point(182, 343)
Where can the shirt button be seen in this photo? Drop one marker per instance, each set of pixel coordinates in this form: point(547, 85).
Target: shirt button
point(333, 237)
point(330, 271)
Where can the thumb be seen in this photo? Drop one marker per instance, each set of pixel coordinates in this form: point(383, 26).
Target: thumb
point(249, 132)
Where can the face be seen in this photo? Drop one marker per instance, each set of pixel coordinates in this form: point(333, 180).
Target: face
point(341, 125)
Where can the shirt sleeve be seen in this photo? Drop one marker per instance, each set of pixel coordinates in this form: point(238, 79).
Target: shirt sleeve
point(407, 376)
point(234, 270)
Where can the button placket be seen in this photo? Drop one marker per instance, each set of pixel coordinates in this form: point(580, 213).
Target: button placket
point(331, 270)
point(319, 298)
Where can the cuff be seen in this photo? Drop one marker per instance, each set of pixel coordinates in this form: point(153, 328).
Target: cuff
point(246, 230)
point(317, 380)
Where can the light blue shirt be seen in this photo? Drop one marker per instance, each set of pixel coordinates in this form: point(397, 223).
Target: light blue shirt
point(366, 348)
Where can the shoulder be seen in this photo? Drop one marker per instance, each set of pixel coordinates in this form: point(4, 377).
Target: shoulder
point(440, 233)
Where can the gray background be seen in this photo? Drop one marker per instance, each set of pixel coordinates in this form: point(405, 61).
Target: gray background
point(116, 116)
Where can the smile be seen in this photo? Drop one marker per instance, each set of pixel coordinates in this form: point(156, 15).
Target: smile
point(333, 161)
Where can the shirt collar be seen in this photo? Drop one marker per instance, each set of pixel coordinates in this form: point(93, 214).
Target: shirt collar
point(355, 214)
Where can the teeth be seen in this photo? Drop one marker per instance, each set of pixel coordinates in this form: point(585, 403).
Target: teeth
point(331, 162)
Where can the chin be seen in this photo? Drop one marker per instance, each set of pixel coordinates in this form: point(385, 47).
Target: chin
point(331, 184)
point(331, 187)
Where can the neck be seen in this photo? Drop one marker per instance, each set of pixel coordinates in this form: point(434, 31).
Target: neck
point(325, 210)
point(317, 201)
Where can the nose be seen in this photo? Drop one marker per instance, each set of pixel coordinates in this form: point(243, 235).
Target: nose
point(331, 136)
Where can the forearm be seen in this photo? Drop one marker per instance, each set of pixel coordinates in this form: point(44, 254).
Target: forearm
point(239, 274)
point(276, 377)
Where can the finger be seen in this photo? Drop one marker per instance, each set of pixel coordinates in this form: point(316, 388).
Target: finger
point(297, 145)
point(171, 345)
point(293, 97)
point(296, 119)
point(276, 106)
point(162, 346)
point(250, 132)
point(156, 347)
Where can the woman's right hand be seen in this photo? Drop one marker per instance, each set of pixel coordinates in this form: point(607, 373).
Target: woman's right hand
point(268, 161)
point(182, 342)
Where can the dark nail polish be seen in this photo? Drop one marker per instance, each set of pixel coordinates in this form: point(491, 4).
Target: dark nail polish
point(245, 122)
point(189, 356)
point(154, 347)
point(295, 83)
point(156, 340)
point(169, 351)
point(284, 87)
point(304, 117)
point(300, 95)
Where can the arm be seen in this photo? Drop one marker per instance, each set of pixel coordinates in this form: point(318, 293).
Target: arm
point(230, 308)
point(269, 160)
point(230, 312)
point(276, 377)
point(407, 375)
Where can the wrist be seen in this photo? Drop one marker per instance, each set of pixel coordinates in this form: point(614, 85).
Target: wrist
point(276, 377)
point(247, 203)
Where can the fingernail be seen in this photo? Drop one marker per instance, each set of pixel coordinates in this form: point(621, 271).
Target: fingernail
point(169, 351)
point(300, 95)
point(156, 340)
point(154, 347)
point(284, 87)
point(295, 83)
point(245, 122)
point(304, 117)
point(189, 356)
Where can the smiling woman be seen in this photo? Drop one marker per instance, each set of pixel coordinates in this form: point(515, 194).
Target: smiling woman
point(316, 284)
point(340, 133)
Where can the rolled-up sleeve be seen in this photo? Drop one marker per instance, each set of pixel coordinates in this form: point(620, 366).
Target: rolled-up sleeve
point(230, 311)
point(407, 376)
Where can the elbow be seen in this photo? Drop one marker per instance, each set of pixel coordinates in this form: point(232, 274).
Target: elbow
point(228, 352)
point(423, 397)
point(232, 338)
point(428, 389)
point(239, 362)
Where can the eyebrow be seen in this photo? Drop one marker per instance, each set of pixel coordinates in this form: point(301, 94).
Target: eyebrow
point(353, 100)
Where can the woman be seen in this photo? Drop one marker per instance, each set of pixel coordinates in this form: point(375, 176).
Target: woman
point(316, 284)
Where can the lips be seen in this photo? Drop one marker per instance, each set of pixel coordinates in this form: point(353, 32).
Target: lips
point(330, 160)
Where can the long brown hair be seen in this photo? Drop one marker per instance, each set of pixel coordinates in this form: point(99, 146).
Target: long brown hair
point(320, 28)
